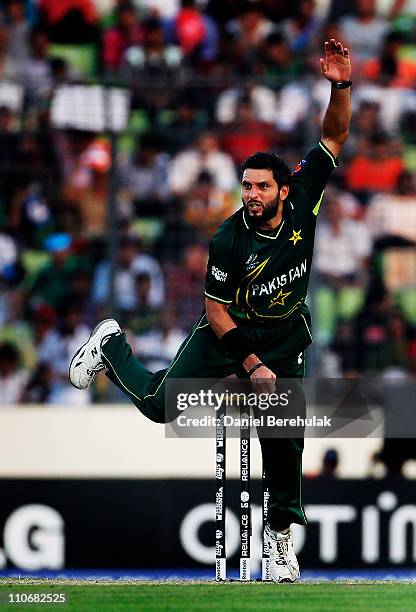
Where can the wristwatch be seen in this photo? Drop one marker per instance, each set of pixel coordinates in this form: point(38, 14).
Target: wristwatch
point(341, 84)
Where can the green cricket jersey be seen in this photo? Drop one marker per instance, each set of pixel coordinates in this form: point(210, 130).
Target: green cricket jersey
point(264, 275)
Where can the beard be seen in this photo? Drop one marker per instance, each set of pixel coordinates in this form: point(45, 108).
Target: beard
point(268, 213)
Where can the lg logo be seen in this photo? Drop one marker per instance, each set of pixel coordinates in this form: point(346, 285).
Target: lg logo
point(33, 538)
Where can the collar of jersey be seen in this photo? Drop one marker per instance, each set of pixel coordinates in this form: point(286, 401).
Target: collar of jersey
point(269, 236)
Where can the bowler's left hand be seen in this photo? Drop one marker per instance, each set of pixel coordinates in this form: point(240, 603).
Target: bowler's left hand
point(336, 65)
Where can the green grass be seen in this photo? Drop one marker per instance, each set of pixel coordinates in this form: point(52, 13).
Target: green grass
point(217, 597)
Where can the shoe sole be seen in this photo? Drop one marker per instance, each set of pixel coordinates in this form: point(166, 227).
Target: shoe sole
point(288, 580)
point(77, 354)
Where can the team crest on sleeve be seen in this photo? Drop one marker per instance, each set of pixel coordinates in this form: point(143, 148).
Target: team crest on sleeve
point(300, 165)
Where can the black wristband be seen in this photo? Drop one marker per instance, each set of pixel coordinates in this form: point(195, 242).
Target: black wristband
point(254, 368)
point(236, 344)
point(341, 84)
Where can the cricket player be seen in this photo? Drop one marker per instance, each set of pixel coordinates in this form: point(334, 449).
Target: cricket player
point(255, 322)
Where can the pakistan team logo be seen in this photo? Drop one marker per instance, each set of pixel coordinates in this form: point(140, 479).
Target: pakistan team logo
point(296, 236)
point(279, 300)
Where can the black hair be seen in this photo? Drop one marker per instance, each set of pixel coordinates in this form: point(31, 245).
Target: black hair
point(125, 5)
point(268, 161)
point(275, 38)
point(9, 352)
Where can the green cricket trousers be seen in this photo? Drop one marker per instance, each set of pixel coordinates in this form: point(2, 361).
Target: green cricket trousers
point(201, 356)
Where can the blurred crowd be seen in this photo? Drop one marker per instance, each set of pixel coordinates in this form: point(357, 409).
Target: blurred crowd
point(211, 81)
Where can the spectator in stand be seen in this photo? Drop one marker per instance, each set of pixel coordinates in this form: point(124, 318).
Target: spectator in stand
point(36, 69)
point(303, 30)
point(376, 170)
point(344, 352)
point(262, 99)
point(399, 336)
point(390, 69)
point(329, 466)
point(155, 70)
point(131, 262)
point(52, 283)
point(19, 30)
point(16, 329)
point(126, 33)
point(224, 11)
point(342, 247)
point(13, 378)
point(341, 252)
point(144, 317)
point(159, 345)
point(365, 124)
point(9, 151)
point(190, 120)
point(365, 31)
point(396, 9)
point(177, 234)
point(186, 294)
point(276, 61)
point(204, 155)
point(278, 10)
point(9, 65)
point(383, 338)
point(340, 8)
point(90, 198)
point(56, 351)
point(248, 31)
point(162, 9)
point(61, 72)
point(370, 330)
point(144, 180)
point(391, 218)
point(206, 207)
point(396, 104)
point(246, 134)
point(69, 21)
point(195, 32)
point(39, 386)
point(72, 146)
point(30, 215)
point(8, 252)
point(7, 121)
point(43, 319)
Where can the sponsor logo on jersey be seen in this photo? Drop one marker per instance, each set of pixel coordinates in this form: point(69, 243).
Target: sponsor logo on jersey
point(218, 274)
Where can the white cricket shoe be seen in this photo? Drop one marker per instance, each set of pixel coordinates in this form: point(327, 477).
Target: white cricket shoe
point(283, 565)
point(87, 361)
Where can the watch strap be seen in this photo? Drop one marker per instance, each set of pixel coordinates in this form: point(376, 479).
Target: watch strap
point(341, 84)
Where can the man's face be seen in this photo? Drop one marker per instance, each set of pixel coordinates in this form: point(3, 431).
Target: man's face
point(366, 8)
point(260, 194)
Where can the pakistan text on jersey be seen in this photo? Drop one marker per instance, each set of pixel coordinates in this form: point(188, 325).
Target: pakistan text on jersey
point(279, 281)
